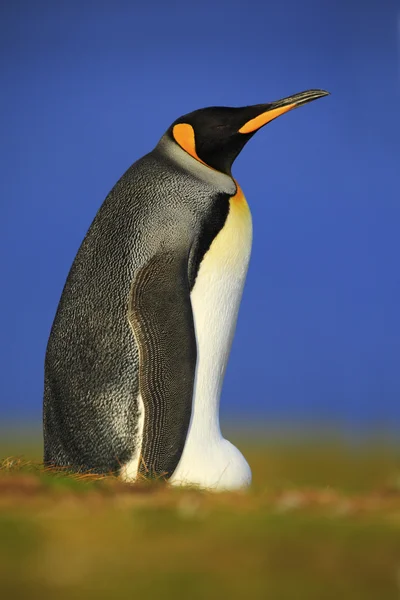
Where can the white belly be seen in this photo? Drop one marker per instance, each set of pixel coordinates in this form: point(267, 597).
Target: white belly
point(208, 460)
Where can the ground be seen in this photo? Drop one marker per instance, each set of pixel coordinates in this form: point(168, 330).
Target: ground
point(321, 522)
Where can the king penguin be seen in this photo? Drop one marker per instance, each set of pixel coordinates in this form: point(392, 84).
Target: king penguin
point(141, 338)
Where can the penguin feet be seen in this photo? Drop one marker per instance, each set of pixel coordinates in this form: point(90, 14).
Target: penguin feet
point(217, 467)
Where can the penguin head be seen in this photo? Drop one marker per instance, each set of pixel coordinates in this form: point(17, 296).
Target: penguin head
point(215, 135)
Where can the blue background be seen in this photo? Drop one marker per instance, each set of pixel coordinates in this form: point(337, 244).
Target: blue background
point(86, 88)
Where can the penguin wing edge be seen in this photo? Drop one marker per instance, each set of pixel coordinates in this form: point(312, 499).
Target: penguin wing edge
point(161, 317)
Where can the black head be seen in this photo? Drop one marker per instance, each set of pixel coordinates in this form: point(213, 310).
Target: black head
point(216, 135)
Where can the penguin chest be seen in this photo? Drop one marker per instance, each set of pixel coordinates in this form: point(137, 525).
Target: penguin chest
point(208, 460)
point(217, 293)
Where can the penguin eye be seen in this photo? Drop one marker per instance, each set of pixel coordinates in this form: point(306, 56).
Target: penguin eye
point(224, 131)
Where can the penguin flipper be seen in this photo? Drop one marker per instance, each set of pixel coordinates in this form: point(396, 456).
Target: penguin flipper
point(161, 317)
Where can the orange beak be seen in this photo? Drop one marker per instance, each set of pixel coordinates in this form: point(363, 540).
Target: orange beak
point(278, 108)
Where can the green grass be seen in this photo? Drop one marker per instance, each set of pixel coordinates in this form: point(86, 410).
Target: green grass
point(321, 522)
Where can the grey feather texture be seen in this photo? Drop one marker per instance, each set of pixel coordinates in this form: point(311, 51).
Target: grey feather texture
point(129, 285)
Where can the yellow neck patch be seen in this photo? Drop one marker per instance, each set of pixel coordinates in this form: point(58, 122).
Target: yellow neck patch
point(239, 198)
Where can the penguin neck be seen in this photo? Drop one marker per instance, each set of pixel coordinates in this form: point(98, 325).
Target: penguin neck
point(217, 180)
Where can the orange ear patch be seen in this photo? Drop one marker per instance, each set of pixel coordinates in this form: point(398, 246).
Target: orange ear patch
point(184, 136)
point(265, 118)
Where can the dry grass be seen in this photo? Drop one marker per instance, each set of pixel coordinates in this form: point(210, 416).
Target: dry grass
point(322, 521)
